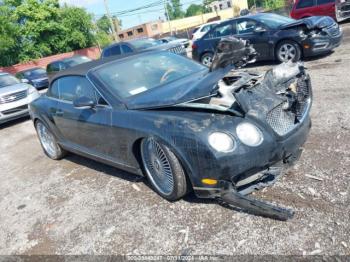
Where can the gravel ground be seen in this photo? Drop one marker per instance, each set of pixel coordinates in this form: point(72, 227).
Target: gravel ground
point(78, 206)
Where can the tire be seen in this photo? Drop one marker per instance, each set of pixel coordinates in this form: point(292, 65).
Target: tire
point(163, 170)
point(288, 50)
point(207, 59)
point(48, 142)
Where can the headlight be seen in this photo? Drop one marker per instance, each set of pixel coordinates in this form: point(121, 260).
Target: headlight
point(31, 90)
point(249, 134)
point(221, 142)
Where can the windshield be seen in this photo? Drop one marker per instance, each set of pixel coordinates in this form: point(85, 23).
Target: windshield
point(77, 60)
point(34, 72)
point(274, 21)
point(147, 71)
point(8, 80)
point(145, 43)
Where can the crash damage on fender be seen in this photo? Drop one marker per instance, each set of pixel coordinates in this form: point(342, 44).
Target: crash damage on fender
point(232, 131)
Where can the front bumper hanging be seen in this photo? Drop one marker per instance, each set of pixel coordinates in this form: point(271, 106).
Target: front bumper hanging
point(257, 207)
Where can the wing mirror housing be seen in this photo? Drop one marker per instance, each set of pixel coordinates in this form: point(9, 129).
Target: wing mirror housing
point(84, 103)
point(259, 29)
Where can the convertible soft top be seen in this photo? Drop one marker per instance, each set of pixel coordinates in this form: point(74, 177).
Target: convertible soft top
point(83, 69)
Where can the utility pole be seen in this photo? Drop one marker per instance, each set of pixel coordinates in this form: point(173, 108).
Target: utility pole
point(168, 16)
point(114, 30)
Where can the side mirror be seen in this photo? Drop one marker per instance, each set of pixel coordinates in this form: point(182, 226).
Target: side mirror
point(84, 103)
point(25, 81)
point(259, 29)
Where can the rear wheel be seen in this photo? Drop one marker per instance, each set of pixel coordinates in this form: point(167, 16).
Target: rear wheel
point(48, 142)
point(207, 59)
point(163, 170)
point(288, 51)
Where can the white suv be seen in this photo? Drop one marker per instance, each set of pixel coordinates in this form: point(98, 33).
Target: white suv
point(14, 97)
point(203, 29)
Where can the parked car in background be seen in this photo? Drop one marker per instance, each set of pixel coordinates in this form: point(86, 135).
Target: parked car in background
point(173, 40)
point(203, 29)
point(273, 36)
point(137, 45)
point(342, 9)
point(36, 76)
point(66, 63)
point(181, 125)
point(306, 8)
point(14, 97)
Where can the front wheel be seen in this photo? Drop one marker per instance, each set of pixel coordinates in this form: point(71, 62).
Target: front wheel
point(48, 142)
point(288, 51)
point(207, 59)
point(163, 170)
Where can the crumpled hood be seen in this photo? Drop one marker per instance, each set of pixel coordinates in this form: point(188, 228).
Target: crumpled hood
point(188, 89)
point(311, 22)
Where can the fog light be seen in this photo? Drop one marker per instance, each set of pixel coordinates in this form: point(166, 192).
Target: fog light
point(306, 46)
point(209, 181)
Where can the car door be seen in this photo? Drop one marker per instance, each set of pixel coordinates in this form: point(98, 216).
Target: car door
point(326, 7)
point(246, 29)
point(213, 37)
point(305, 8)
point(126, 49)
point(84, 129)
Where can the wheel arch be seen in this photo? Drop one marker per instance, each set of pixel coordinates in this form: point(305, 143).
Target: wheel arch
point(286, 39)
point(136, 150)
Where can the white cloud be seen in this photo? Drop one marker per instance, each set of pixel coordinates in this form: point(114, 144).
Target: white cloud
point(80, 3)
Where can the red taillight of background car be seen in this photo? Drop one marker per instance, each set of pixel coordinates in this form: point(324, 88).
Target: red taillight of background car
point(194, 46)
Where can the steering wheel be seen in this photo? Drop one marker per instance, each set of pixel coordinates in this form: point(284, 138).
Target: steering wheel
point(167, 75)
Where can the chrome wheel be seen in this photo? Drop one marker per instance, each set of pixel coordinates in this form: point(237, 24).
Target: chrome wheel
point(47, 140)
point(157, 166)
point(207, 60)
point(287, 52)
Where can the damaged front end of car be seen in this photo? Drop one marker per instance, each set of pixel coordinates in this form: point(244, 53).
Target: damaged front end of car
point(342, 9)
point(277, 102)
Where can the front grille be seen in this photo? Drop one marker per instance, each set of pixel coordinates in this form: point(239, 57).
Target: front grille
point(180, 50)
point(13, 97)
point(345, 8)
point(15, 110)
point(334, 30)
point(286, 115)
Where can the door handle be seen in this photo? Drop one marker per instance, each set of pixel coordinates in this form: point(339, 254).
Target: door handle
point(59, 112)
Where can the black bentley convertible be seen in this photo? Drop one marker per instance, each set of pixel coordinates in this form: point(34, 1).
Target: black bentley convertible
point(219, 132)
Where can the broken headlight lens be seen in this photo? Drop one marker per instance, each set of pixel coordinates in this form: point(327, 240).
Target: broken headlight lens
point(249, 134)
point(221, 142)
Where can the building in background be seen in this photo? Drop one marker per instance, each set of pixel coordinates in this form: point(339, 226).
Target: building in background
point(150, 29)
point(220, 5)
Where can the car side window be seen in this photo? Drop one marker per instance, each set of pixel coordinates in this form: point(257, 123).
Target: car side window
point(73, 87)
point(53, 67)
point(53, 90)
point(126, 49)
point(115, 50)
point(220, 31)
point(305, 3)
point(322, 2)
point(246, 26)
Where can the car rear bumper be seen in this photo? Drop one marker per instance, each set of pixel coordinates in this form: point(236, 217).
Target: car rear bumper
point(321, 45)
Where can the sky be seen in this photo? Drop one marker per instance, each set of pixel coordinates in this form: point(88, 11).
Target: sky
point(128, 20)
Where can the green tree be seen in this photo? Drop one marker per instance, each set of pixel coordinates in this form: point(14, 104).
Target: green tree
point(193, 10)
point(206, 6)
point(9, 35)
point(175, 10)
point(103, 24)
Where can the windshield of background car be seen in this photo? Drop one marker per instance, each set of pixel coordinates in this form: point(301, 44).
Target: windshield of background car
point(274, 21)
point(145, 43)
point(77, 60)
point(34, 72)
point(8, 80)
point(136, 75)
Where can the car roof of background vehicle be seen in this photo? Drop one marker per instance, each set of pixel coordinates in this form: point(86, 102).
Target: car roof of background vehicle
point(63, 59)
point(83, 69)
point(3, 73)
point(30, 69)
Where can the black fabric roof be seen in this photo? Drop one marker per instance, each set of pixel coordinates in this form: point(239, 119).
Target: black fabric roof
point(83, 69)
